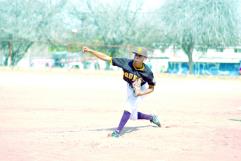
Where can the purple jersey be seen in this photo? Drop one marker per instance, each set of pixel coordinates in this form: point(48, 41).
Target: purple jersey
point(131, 73)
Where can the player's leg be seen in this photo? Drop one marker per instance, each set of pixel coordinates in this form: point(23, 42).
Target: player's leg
point(125, 117)
point(153, 118)
point(142, 116)
point(130, 112)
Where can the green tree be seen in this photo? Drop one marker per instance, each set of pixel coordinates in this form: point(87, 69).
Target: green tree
point(24, 22)
point(115, 25)
point(190, 24)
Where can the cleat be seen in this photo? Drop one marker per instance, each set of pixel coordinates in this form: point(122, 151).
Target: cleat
point(114, 134)
point(155, 120)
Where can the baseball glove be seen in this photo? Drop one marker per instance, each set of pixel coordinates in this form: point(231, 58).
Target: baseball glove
point(137, 86)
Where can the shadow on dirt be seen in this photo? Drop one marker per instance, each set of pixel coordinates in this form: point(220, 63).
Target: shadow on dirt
point(235, 120)
point(126, 130)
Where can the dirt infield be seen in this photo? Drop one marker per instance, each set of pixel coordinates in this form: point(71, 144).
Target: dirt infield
point(65, 116)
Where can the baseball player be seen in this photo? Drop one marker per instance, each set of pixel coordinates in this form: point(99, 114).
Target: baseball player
point(140, 82)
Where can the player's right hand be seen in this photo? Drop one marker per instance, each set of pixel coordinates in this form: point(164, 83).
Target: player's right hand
point(85, 49)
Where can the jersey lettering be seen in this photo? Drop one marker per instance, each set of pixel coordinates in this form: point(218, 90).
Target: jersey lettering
point(126, 75)
point(130, 76)
point(135, 77)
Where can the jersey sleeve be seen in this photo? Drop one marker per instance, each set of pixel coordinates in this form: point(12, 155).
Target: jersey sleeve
point(149, 76)
point(120, 62)
point(151, 81)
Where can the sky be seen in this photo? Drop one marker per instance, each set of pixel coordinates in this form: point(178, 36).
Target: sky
point(150, 5)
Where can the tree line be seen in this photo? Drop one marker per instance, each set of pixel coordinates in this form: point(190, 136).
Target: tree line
point(185, 24)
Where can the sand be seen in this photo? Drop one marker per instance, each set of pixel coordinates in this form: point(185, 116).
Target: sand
point(66, 115)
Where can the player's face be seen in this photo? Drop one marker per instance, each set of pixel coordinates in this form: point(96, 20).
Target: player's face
point(139, 59)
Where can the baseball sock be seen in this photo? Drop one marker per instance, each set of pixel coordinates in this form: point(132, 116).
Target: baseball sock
point(125, 117)
point(143, 116)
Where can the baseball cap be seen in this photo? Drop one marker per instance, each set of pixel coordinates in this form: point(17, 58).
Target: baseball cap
point(140, 51)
